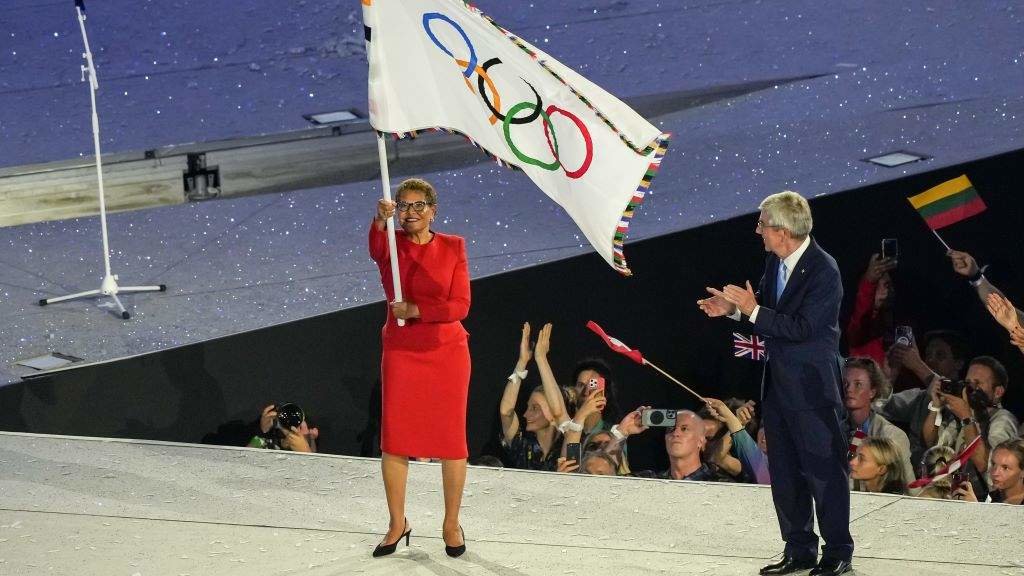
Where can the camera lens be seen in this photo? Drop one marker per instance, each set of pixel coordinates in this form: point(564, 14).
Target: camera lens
point(657, 417)
point(290, 415)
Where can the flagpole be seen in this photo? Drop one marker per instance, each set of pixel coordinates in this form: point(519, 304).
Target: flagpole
point(385, 184)
point(934, 231)
point(669, 376)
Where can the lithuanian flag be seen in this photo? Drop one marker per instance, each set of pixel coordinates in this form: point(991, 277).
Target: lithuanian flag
point(948, 203)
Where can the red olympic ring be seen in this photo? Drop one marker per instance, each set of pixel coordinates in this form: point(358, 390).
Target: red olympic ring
point(551, 110)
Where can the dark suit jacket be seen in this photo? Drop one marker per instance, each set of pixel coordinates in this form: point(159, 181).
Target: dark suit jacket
point(804, 369)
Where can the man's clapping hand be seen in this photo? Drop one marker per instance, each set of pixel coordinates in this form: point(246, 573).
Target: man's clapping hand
point(716, 306)
point(742, 299)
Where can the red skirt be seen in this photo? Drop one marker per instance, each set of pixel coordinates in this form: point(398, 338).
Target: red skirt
point(423, 401)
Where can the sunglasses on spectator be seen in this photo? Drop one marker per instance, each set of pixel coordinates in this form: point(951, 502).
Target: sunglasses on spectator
point(418, 207)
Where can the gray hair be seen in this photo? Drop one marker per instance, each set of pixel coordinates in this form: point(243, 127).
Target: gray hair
point(790, 211)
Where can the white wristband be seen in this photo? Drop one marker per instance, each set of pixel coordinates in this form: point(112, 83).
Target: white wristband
point(617, 433)
point(518, 375)
point(570, 425)
point(932, 408)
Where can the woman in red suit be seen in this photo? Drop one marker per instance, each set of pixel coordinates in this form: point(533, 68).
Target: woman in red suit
point(425, 366)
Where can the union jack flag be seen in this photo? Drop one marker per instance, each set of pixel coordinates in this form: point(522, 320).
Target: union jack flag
point(749, 346)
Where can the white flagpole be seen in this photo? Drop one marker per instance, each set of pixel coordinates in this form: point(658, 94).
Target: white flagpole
point(385, 182)
point(941, 240)
point(669, 376)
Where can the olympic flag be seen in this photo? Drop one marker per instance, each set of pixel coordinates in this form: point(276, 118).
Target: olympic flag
point(444, 65)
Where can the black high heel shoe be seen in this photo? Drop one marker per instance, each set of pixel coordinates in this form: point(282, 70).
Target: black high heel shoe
point(386, 549)
point(456, 551)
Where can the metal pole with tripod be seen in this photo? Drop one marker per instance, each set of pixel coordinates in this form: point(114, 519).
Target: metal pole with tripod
point(109, 285)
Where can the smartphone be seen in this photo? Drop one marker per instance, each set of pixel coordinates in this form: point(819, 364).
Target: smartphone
point(595, 384)
point(572, 451)
point(956, 479)
point(904, 335)
point(659, 417)
point(891, 248)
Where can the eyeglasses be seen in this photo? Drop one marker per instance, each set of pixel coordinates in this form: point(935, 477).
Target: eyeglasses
point(761, 224)
point(418, 207)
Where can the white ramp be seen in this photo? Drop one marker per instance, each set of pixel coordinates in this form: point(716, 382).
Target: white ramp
point(80, 506)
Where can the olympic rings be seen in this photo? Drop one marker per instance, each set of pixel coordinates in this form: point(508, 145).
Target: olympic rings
point(485, 83)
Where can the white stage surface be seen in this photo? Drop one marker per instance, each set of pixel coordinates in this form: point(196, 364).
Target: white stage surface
point(94, 506)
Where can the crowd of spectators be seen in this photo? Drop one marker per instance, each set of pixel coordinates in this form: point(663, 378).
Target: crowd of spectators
point(914, 406)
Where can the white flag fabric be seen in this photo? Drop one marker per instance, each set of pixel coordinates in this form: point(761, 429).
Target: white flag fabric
point(443, 65)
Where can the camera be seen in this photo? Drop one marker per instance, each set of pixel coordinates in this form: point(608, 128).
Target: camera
point(659, 417)
point(952, 387)
point(289, 416)
point(595, 384)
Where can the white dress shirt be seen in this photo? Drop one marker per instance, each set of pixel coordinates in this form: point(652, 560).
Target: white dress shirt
point(790, 262)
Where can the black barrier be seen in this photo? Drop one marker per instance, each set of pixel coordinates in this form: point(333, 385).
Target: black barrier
point(329, 364)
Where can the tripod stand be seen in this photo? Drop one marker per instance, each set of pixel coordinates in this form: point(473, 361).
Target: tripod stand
point(109, 285)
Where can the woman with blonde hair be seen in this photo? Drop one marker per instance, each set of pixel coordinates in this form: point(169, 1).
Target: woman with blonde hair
point(877, 467)
point(934, 460)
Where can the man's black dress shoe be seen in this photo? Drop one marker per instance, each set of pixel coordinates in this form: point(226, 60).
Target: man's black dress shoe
point(788, 565)
point(831, 567)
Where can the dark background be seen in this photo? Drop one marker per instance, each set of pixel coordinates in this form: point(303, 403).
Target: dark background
point(329, 364)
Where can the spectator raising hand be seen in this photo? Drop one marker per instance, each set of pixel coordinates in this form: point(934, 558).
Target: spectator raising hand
point(722, 413)
point(878, 267)
point(753, 462)
point(963, 263)
point(267, 418)
point(632, 423)
point(1002, 310)
point(1017, 338)
point(294, 440)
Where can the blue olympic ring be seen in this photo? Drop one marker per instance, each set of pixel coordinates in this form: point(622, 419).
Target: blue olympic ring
point(471, 66)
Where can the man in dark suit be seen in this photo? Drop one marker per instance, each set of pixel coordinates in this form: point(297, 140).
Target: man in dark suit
point(801, 387)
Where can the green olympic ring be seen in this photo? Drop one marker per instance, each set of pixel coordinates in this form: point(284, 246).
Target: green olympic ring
point(510, 115)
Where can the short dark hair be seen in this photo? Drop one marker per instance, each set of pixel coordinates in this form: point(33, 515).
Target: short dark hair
point(997, 368)
point(417, 185)
point(486, 460)
point(956, 341)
